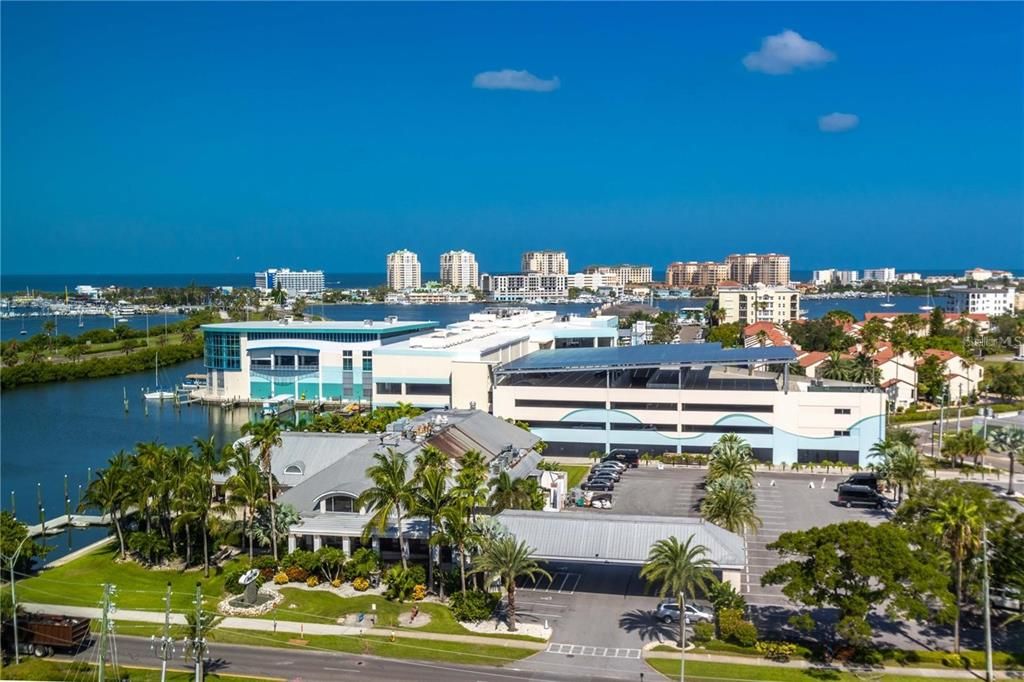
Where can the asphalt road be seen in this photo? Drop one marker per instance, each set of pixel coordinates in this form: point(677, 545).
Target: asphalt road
point(305, 665)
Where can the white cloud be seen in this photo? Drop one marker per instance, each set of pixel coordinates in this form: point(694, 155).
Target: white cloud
point(837, 122)
point(783, 53)
point(510, 79)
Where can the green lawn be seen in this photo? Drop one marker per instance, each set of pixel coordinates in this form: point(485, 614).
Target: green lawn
point(577, 472)
point(719, 672)
point(419, 649)
point(325, 607)
point(32, 668)
point(80, 583)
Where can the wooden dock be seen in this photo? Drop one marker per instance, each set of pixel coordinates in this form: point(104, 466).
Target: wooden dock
point(60, 524)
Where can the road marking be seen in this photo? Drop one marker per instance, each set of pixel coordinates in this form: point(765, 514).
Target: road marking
point(596, 651)
point(571, 590)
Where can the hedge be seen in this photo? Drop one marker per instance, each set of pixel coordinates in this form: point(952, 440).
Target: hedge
point(933, 415)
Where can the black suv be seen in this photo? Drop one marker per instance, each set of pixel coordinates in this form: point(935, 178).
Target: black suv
point(864, 478)
point(630, 458)
point(860, 495)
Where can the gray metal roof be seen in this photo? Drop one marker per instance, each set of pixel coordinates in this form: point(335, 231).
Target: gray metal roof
point(352, 525)
point(477, 430)
point(616, 538)
point(649, 355)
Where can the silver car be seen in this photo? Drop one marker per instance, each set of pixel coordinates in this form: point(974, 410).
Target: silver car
point(668, 612)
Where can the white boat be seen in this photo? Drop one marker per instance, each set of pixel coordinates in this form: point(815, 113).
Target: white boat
point(888, 302)
point(928, 303)
point(159, 393)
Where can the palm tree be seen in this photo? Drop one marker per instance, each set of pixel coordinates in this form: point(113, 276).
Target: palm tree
point(762, 338)
point(431, 500)
point(455, 530)
point(188, 335)
point(1011, 441)
point(730, 503)
point(429, 457)
point(245, 489)
point(731, 456)
point(511, 560)
point(470, 481)
point(392, 494)
point(266, 435)
point(109, 492)
point(680, 569)
point(863, 370)
point(835, 367)
point(504, 494)
point(957, 523)
point(905, 468)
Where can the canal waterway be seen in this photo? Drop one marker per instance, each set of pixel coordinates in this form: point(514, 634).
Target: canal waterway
point(49, 430)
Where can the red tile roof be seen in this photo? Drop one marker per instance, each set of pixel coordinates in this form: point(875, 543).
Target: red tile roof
point(811, 358)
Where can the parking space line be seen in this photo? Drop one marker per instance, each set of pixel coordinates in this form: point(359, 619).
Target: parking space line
point(571, 590)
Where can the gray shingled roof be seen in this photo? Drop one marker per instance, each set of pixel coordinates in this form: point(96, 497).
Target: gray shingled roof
point(616, 538)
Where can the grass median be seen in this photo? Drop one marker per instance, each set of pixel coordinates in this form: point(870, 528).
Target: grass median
point(49, 669)
point(722, 672)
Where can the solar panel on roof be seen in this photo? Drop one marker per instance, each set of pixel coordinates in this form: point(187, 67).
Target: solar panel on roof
point(647, 355)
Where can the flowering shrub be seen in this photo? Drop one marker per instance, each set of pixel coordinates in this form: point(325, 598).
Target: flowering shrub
point(312, 581)
point(336, 583)
point(776, 651)
point(361, 584)
point(296, 574)
point(281, 578)
point(419, 592)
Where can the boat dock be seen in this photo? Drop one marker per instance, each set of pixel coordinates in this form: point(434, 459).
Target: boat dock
point(61, 523)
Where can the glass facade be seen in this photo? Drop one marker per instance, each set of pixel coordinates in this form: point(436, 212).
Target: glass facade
point(222, 350)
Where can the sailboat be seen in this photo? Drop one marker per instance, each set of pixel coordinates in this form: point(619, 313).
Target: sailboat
point(158, 394)
point(80, 322)
point(928, 302)
point(888, 299)
point(23, 332)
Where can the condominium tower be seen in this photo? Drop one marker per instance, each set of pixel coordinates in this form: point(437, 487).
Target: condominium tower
point(624, 273)
point(706, 274)
point(403, 270)
point(293, 282)
point(771, 269)
point(459, 270)
point(545, 262)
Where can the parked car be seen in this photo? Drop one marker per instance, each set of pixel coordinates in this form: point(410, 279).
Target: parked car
point(866, 478)
point(861, 496)
point(668, 612)
point(598, 484)
point(615, 466)
point(605, 473)
point(630, 458)
point(1006, 598)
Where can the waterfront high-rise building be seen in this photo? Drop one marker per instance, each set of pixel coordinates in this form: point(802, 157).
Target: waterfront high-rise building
point(771, 269)
point(525, 287)
point(884, 275)
point(748, 304)
point(294, 282)
point(545, 262)
point(624, 273)
point(694, 274)
point(459, 270)
point(403, 270)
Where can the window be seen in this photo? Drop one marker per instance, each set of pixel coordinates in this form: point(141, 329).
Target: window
point(841, 433)
point(540, 424)
point(221, 350)
point(844, 456)
point(528, 402)
point(309, 361)
point(634, 426)
point(259, 362)
point(293, 469)
point(367, 360)
point(427, 389)
point(708, 407)
point(339, 503)
point(346, 364)
point(644, 406)
point(284, 361)
point(389, 387)
point(842, 410)
point(711, 428)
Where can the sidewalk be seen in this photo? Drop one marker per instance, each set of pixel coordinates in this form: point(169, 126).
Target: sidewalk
point(801, 664)
point(293, 627)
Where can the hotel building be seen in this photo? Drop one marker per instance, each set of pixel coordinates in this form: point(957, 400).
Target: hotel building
point(525, 287)
point(624, 274)
point(683, 397)
point(306, 360)
point(750, 304)
point(403, 270)
point(771, 269)
point(294, 282)
point(459, 270)
point(883, 275)
point(974, 300)
point(545, 262)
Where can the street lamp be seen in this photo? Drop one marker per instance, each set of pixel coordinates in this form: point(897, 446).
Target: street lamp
point(13, 559)
point(934, 425)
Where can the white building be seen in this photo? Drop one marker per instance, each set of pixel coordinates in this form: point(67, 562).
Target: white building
point(758, 303)
point(984, 274)
point(883, 275)
point(459, 270)
point(624, 273)
point(294, 282)
point(305, 360)
point(545, 262)
point(985, 301)
point(87, 290)
point(595, 280)
point(403, 270)
point(528, 287)
point(909, 277)
point(833, 276)
point(683, 397)
point(453, 366)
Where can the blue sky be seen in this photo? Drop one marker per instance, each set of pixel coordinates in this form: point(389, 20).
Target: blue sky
point(172, 137)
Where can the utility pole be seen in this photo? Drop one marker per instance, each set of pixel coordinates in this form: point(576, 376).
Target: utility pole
point(105, 627)
point(682, 637)
point(195, 647)
point(164, 647)
point(942, 421)
point(988, 606)
point(959, 405)
point(13, 559)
